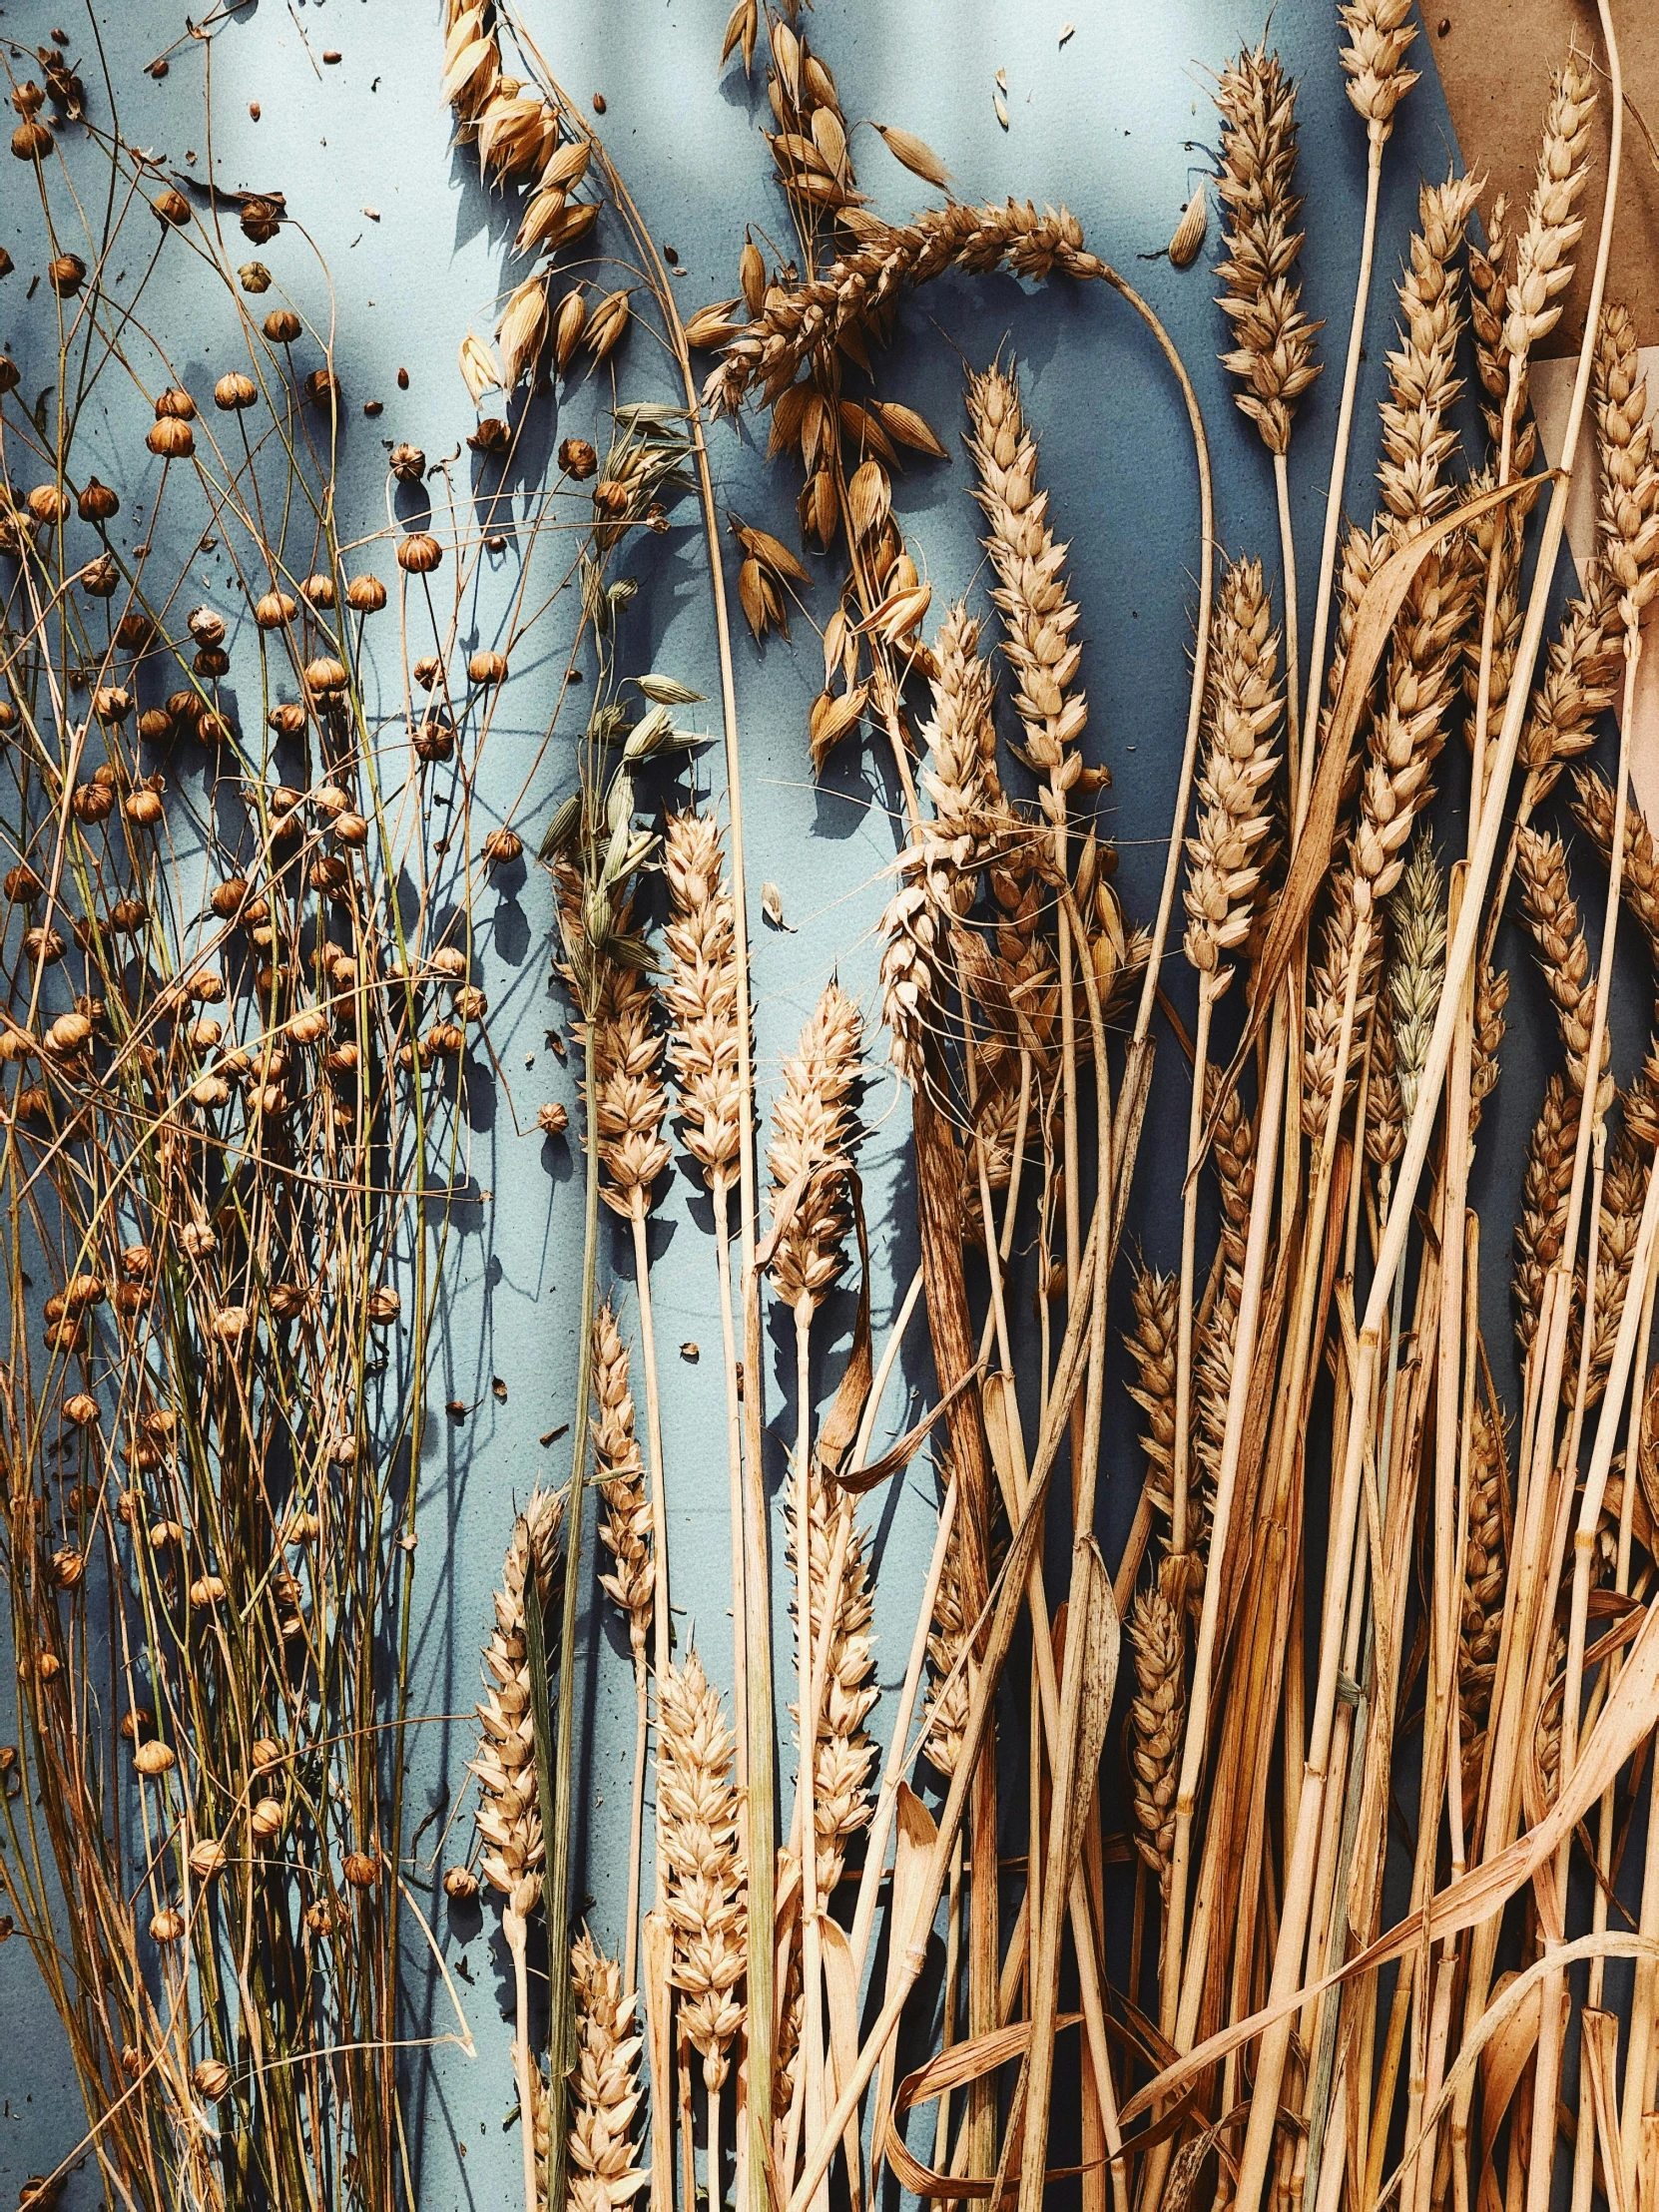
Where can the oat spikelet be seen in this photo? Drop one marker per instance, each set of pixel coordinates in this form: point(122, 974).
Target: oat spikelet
point(509, 1818)
point(813, 1130)
point(703, 1884)
point(1563, 956)
point(619, 1471)
point(1373, 62)
point(701, 994)
point(1629, 479)
point(1227, 855)
point(1272, 351)
point(605, 2085)
point(1156, 1716)
point(846, 1752)
point(1543, 263)
point(1038, 613)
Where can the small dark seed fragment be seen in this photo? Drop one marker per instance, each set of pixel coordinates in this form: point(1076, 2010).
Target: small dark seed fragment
point(253, 110)
point(375, 406)
point(599, 103)
point(403, 379)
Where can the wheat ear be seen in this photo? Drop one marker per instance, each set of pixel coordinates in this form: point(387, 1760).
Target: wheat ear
point(703, 1887)
point(701, 994)
point(813, 1128)
point(1273, 350)
point(509, 1807)
point(605, 2087)
point(1225, 858)
point(626, 1531)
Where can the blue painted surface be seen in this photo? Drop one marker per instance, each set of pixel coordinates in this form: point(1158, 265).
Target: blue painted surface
point(1099, 123)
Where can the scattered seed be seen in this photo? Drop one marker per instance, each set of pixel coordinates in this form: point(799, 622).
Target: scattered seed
point(375, 406)
point(1001, 107)
point(1188, 232)
point(599, 103)
point(1445, 25)
point(670, 256)
point(771, 905)
point(403, 379)
point(553, 1435)
point(1067, 30)
point(330, 53)
point(499, 1389)
point(374, 213)
point(253, 110)
point(159, 70)
point(691, 1352)
point(457, 1409)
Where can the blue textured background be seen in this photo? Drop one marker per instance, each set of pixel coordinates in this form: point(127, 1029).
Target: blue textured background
point(1100, 123)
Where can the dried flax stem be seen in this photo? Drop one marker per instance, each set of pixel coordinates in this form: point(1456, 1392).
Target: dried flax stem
point(1460, 962)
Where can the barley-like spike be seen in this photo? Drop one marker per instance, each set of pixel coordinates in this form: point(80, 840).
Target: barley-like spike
point(858, 291)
